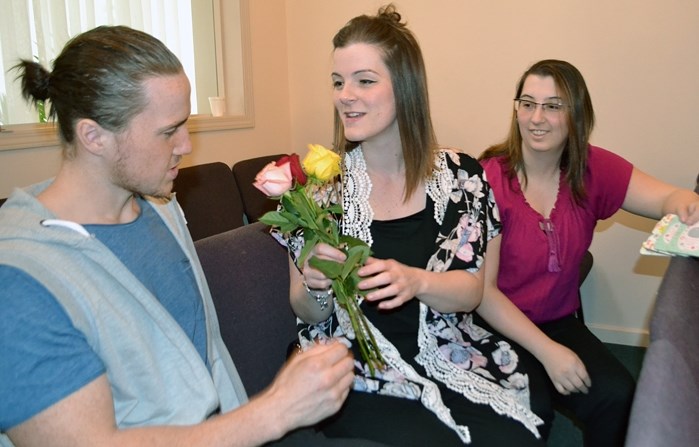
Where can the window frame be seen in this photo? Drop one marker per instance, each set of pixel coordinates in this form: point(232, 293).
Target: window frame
point(34, 135)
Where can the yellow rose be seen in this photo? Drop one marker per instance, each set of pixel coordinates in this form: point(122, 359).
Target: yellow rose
point(321, 163)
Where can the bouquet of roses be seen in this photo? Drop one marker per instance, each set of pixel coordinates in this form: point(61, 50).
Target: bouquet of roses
point(309, 201)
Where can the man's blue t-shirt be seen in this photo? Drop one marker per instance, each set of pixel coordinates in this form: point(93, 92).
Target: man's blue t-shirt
point(44, 358)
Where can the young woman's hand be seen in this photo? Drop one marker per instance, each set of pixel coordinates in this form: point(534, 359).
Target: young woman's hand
point(315, 279)
point(394, 283)
point(566, 370)
point(689, 212)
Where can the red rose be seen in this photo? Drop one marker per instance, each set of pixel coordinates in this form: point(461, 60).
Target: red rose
point(296, 168)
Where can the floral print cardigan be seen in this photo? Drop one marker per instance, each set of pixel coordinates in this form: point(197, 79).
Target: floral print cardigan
point(453, 350)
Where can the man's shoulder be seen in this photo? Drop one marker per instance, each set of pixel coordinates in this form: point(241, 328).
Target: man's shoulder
point(169, 211)
point(44, 357)
point(22, 212)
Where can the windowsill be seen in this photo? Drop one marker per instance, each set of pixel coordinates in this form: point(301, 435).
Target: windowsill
point(27, 136)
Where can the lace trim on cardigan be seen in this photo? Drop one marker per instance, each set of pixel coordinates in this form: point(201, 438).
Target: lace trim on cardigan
point(439, 186)
point(469, 384)
point(356, 184)
point(356, 187)
point(356, 222)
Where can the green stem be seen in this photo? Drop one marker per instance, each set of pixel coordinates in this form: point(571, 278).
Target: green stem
point(363, 334)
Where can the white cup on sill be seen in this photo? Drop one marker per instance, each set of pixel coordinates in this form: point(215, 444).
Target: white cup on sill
point(218, 105)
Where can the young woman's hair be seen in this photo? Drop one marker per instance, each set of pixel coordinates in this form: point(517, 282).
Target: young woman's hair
point(99, 75)
point(403, 58)
point(580, 117)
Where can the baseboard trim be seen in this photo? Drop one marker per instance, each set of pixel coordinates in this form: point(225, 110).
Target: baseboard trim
point(620, 335)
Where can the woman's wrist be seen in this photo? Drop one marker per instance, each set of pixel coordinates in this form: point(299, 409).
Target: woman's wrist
point(321, 296)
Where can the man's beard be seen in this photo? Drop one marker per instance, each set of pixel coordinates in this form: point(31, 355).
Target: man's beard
point(120, 177)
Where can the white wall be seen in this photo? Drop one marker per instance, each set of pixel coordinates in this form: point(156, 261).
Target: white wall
point(641, 63)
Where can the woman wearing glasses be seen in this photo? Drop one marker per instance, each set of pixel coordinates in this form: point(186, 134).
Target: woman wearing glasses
point(551, 187)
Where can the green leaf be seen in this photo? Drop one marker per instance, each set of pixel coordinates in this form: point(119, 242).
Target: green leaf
point(365, 251)
point(292, 218)
point(335, 208)
point(331, 269)
point(304, 211)
point(354, 256)
point(288, 227)
point(358, 254)
point(288, 203)
point(310, 241)
point(350, 241)
point(274, 218)
point(310, 234)
point(322, 222)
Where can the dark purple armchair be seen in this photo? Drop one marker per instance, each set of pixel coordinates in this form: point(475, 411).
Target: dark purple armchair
point(665, 410)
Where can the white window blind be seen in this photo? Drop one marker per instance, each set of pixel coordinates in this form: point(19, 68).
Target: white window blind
point(38, 29)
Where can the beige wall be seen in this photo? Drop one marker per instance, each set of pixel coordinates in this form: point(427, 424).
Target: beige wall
point(641, 63)
point(639, 57)
point(270, 135)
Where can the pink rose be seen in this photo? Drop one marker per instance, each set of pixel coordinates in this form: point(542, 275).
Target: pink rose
point(274, 180)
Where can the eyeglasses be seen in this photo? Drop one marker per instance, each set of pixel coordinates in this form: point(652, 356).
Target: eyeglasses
point(527, 106)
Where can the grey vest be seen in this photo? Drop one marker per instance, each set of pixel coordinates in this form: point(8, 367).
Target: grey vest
point(156, 375)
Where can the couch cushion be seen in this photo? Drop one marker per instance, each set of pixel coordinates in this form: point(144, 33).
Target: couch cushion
point(255, 202)
point(210, 199)
point(248, 274)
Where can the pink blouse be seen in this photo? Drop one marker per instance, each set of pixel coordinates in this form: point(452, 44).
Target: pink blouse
point(540, 258)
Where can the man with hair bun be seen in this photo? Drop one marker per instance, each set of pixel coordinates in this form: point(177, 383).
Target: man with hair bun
point(108, 334)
